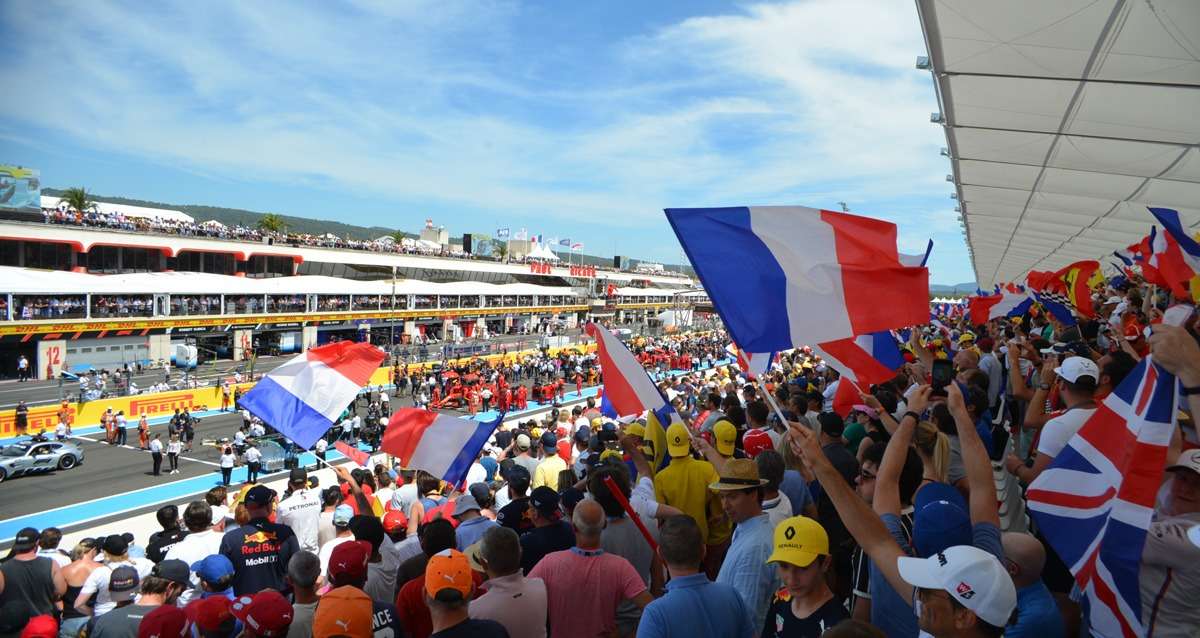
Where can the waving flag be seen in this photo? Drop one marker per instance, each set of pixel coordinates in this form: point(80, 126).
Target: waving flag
point(866, 360)
point(445, 446)
point(1175, 255)
point(1094, 502)
point(917, 260)
point(354, 454)
point(752, 363)
point(1006, 304)
point(1077, 279)
point(303, 397)
point(1058, 305)
point(784, 277)
point(577, 246)
point(565, 243)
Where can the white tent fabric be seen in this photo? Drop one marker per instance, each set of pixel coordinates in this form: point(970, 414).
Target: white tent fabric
point(1064, 121)
point(163, 214)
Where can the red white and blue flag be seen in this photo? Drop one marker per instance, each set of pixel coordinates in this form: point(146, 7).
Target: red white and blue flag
point(788, 276)
point(866, 360)
point(983, 309)
point(303, 397)
point(751, 363)
point(627, 387)
point(1095, 500)
point(1173, 253)
point(443, 445)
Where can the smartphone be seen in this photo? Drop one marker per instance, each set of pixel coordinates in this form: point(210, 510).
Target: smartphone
point(943, 374)
point(999, 443)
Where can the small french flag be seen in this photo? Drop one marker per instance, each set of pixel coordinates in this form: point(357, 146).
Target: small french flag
point(445, 446)
point(867, 359)
point(787, 276)
point(303, 397)
point(752, 363)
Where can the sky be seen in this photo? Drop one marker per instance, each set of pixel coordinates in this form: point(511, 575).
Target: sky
point(569, 119)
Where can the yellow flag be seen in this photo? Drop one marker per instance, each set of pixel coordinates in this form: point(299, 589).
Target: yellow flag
point(656, 436)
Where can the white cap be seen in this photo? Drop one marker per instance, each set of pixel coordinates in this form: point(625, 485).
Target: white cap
point(1074, 367)
point(975, 578)
point(1194, 535)
point(1114, 299)
point(1189, 460)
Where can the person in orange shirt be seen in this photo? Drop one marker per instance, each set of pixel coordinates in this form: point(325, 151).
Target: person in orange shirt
point(143, 432)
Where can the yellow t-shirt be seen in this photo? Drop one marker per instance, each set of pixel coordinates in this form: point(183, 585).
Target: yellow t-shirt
point(546, 472)
point(683, 484)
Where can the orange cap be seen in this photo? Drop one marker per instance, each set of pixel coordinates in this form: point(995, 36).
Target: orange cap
point(448, 569)
point(344, 611)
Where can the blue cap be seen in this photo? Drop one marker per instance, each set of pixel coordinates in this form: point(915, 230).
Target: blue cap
point(940, 519)
point(549, 440)
point(342, 515)
point(213, 568)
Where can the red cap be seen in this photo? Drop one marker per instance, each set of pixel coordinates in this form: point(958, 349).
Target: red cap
point(208, 614)
point(44, 626)
point(394, 520)
point(349, 561)
point(1133, 331)
point(166, 621)
point(756, 441)
point(564, 449)
point(266, 614)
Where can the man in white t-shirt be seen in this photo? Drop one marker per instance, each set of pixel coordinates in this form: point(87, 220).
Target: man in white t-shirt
point(201, 542)
point(301, 510)
point(1078, 377)
point(341, 522)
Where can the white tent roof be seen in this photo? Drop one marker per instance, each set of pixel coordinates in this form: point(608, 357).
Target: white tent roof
point(129, 211)
point(1064, 121)
point(540, 251)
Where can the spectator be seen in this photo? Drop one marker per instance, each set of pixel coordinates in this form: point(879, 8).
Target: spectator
point(214, 573)
point(447, 591)
point(162, 587)
point(266, 614)
point(608, 579)
point(171, 533)
point(1037, 613)
point(745, 567)
point(471, 524)
point(165, 621)
point(550, 532)
point(303, 577)
point(48, 542)
point(201, 541)
point(687, 609)
point(548, 470)
point(348, 568)
point(516, 602)
point(621, 537)
point(342, 515)
point(382, 566)
point(1170, 570)
point(804, 606)
point(683, 484)
point(300, 509)
point(259, 550)
point(31, 584)
point(436, 536)
point(775, 503)
point(512, 514)
point(101, 582)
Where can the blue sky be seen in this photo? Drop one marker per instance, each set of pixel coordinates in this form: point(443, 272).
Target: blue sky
point(579, 120)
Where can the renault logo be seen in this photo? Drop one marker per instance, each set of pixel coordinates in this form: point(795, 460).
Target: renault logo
point(789, 533)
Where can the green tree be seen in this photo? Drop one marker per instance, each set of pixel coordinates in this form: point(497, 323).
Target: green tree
point(397, 236)
point(500, 248)
point(78, 199)
point(271, 223)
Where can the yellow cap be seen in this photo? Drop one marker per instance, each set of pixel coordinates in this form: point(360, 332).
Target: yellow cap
point(610, 454)
point(799, 540)
point(597, 422)
point(678, 442)
point(536, 432)
point(966, 336)
point(636, 429)
point(726, 435)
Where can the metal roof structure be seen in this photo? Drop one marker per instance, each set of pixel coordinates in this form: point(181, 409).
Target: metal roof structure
point(1064, 120)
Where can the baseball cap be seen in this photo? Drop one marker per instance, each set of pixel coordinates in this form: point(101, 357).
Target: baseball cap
point(350, 560)
point(268, 614)
point(464, 504)
point(481, 491)
point(725, 435)
point(123, 583)
point(545, 500)
point(635, 429)
point(756, 441)
point(175, 571)
point(259, 495)
point(342, 515)
point(799, 540)
point(865, 409)
point(678, 442)
point(115, 544)
point(1133, 331)
point(965, 337)
point(940, 519)
point(1072, 368)
point(975, 579)
point(344, 611)
point(166, 621)
point(211, 614)
point(523, 442)
point(518, 473)
point(44, 626)
point(583, 434)
point(548, 439)
point(738, 474)
point(564, 450)
point(1189, 460)
point(448, 570)
point(213, 568)
point(26, 540)
point(298, 475)
point(1114, 299)
point(831, 423)
point(394, 520)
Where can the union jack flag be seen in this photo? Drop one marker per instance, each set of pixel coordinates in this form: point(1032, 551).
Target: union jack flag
point(1094, 502)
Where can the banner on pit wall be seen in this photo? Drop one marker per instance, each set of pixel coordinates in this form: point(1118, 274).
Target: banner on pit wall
point(160, 404)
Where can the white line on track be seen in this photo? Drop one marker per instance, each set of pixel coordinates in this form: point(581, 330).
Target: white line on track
point(135, 449)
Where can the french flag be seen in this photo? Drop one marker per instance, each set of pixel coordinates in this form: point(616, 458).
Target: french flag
point(627, 387)
point(303, 397)
point(784, 277)
point(1174, 254)
point(866, 360)
point(443, 445)
point(1006, 304)
point(752, 363)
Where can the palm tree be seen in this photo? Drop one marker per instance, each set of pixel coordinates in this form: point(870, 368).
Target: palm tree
point(500, 248)
point(397, 236)
point(271, 223)
point(78, 199)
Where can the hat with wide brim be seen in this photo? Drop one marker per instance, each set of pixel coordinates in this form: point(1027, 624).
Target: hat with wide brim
point(738, 474)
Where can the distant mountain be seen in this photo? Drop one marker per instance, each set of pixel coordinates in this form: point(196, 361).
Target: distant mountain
point(237, 216)
point(956, 289)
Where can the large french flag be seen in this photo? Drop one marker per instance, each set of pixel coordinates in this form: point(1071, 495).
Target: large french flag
point(1006, 304)
point(445, 446)
point(789, 276)
point(303, 397)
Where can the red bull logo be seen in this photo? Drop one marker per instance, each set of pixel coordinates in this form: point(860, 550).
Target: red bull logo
point(259, 537)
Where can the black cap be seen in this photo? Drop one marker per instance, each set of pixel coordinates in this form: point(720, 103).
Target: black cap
point(831, 423)
point(26, 540)
point(175, 571)
point(259, 495)
point(481, 492)
point(545, 500)
point(298, 475)
point(123, 579)
point(115, 545)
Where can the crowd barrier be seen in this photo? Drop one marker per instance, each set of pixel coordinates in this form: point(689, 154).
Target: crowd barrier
point(44, 418)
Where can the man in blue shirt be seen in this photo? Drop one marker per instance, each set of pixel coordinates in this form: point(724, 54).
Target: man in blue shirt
point(693, 607)
point(471, 524)
point(1037, 612)
point(745, 567)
